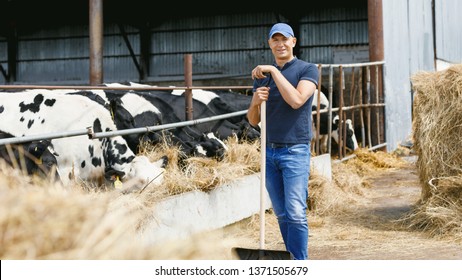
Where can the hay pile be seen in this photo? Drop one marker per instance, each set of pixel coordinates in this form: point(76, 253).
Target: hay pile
point(437, 127)
point(43, 220)
point(349, 181)
point(204, 174)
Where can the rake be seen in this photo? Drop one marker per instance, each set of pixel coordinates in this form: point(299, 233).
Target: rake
point(261, 253)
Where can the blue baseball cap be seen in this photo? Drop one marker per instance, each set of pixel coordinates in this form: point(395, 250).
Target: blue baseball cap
point(281, 28)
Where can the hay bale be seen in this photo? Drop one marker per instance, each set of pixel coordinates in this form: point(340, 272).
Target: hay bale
point(441, 214)
point(437, 124)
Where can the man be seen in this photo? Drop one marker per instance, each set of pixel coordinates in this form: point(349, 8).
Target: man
point(287, 86)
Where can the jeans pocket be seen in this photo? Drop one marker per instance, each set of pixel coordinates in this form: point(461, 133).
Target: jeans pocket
point(299, 149)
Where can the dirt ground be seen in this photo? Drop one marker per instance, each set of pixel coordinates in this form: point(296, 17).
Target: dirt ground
point(369, 231)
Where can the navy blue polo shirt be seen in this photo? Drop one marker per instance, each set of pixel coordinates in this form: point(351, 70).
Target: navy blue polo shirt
point(285, 125)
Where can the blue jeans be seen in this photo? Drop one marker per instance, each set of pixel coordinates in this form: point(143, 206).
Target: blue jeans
point(287, 175)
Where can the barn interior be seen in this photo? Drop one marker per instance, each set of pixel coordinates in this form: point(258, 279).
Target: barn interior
point(28, 15)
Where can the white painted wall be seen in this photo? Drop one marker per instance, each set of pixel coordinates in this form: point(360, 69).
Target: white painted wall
point(408, 48)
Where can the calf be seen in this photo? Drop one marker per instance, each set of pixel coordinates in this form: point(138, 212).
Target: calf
point(80, 157)
point(350, 138)
point(35, 157)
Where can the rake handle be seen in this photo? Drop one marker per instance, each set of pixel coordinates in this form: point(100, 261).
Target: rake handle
point(262, 172)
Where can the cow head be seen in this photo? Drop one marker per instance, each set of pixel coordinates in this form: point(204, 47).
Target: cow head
point(138, 174)
point(37, 157)
point(247, 132)
point(210, 146)
point(43, 161)
point(350, 138)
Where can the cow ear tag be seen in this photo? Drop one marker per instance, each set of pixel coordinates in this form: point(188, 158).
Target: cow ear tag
point(38, 160)
point(117, 183)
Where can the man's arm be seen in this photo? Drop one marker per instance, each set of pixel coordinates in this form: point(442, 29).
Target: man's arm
point(253, 114)
point(295, 97)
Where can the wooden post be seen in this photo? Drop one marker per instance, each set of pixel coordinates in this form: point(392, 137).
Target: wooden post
point(376, 53)
point(188, 82)
point(96, 41)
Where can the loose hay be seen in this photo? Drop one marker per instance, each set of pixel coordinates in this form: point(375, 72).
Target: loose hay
point(349, 181)
point(43, 220)
point(40, 220)
point(366, 161)
point(204, 174)
point(325, 197)
point(437, 127)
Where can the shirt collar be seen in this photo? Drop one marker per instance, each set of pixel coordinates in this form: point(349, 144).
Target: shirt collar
point(287, 64)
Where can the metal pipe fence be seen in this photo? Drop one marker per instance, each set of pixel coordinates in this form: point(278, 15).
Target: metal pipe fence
point(365, 98)
point(95, 135)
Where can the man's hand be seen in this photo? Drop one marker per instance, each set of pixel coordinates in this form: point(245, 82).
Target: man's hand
point(260, 95)
point(259, 71)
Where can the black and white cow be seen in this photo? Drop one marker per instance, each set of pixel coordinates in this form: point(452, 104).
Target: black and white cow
point(35, 157)
point(149, 111)
point(121, 116)
point(208, 104)
point(35, 112)
point(350, 138)
point(236, 100)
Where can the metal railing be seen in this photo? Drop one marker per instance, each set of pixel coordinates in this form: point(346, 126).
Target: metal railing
point(89, 130)
point(365, 99)
point(364, 106)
